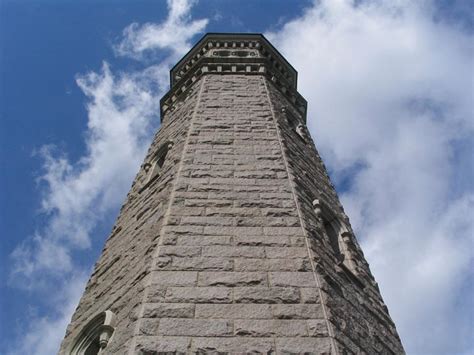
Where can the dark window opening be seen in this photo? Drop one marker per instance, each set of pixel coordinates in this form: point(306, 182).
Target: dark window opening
point(93, 348)
point(154, 168)
point(159, 162)
point(333, 236)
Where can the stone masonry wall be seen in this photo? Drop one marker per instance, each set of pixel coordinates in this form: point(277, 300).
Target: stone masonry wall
point(359, 319)
point(223, 252)
point(232, 271)
point(117, 281)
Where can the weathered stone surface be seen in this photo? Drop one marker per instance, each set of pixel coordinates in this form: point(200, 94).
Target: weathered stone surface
point(310, 346)
point(289, 252)
point(266, 295)
point(156, 294)
point(317, 328)
point(234, 251)
point(203, 240)
point(195, 327)
point(309, 295)
point(234, 311)
point(223, 251)
point(232, 279)
point(301, 279)
point(292, 231)
point(234, 345)
point(162, 345)
point(199, 294)
point(197, 264)
point(266, 328)
point(261, 240)
point(174, 278)
point(250, 264)
point(148, 326)
point(179, 251)
point(297, 311)
point(168, 310)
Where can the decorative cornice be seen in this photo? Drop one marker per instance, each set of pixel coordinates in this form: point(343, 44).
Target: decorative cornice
point(220, 53)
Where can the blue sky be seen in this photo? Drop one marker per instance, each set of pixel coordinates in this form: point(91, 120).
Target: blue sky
point(389, 87)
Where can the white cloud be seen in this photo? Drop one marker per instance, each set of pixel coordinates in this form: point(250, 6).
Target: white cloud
point(77, 196)
point(174, 33)
point(43, 334)
point(390, 105)
point(123, 110)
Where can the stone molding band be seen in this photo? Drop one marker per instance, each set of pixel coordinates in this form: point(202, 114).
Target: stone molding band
point(234, 45)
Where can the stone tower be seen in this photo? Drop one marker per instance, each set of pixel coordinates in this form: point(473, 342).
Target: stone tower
point(232, 238)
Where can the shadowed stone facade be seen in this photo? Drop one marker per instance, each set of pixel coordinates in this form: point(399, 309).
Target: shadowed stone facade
point(232, 238)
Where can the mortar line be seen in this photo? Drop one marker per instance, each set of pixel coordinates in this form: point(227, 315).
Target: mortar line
point(166, 218)
point(300, 216)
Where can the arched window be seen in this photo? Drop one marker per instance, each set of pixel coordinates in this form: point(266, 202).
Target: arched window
point(333, 236)
point(154, 168)
point(332, 228)
point(95, 336)
point(340, 239)
point(158, 161)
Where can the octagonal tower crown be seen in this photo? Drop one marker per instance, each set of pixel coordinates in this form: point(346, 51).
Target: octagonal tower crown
point(233, 53)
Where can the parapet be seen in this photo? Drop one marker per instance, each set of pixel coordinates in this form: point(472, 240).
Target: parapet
point(233, 53)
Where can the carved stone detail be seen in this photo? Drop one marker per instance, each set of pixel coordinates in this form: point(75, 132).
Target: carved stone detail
point(248, 54)
point(95, 336)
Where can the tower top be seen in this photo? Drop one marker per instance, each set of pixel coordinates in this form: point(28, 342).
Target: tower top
point(233, 53)
point(236, 48)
